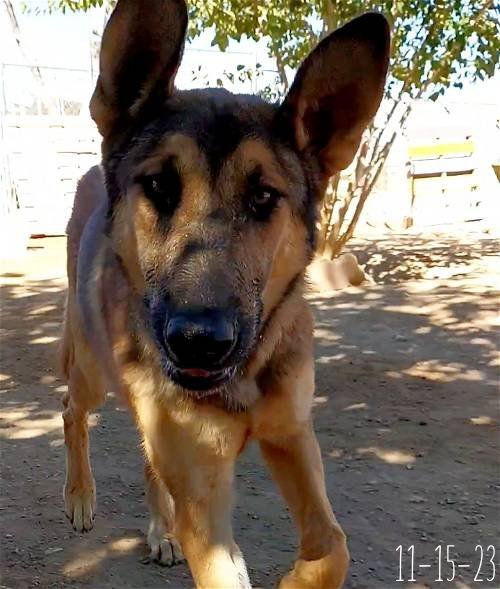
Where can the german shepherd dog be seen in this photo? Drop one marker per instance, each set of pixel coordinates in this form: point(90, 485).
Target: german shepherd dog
point(186, 263)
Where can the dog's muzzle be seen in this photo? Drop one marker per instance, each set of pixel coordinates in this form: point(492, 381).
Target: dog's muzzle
point(199, 346)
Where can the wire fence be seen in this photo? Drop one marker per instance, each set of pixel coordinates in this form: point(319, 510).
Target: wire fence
point(48, 140)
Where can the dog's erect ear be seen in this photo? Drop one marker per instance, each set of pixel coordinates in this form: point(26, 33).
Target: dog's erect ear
point(338, 90)
point(141, 50)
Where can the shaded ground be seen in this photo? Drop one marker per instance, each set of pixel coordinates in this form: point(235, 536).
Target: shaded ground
point(406, 414)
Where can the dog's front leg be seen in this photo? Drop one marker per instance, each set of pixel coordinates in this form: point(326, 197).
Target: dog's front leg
point(203, 526)
point(295, 462)
point(194, 455)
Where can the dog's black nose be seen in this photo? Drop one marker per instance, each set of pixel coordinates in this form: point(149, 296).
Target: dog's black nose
point(201, 340)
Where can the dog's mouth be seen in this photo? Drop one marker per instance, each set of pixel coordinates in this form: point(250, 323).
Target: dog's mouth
point(200, 379)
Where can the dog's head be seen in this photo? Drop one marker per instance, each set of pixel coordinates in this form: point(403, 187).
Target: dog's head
point(213, 196)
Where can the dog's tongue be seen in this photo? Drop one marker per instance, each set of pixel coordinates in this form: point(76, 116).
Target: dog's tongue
point(197, 372)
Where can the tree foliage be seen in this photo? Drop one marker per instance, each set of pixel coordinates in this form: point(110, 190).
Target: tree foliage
point(436, 44)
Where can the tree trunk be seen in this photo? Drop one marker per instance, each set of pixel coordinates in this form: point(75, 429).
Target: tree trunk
point(16, 32)
point(337, 226)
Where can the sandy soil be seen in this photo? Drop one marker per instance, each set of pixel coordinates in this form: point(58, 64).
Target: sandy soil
point(406, 413)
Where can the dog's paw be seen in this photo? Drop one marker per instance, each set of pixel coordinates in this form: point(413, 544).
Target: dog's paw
point(324, 573)
point(80, 508)
point(164, 549)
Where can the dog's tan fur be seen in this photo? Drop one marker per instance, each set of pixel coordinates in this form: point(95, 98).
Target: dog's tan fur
point(191, 442)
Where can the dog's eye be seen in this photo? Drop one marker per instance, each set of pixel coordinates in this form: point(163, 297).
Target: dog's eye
point(163, 189)
point(262, 202)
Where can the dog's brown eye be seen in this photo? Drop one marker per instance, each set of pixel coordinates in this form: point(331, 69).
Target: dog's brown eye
point(163, 189)
point(263, 201)
point(262, 198)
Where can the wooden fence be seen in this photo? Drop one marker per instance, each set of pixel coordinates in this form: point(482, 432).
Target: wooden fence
point(46, 155)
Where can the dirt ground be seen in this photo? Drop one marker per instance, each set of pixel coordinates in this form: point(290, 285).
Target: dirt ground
point(406, 413)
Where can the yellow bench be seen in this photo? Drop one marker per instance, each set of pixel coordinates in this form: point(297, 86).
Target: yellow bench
point(437, 150)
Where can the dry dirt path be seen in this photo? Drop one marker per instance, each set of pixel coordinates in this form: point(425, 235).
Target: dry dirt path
point(406, 414)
